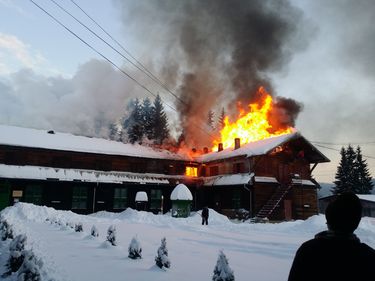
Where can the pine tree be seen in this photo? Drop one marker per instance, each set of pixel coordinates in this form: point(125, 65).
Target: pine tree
point(78, 227)
point(162, 259)
point(222, 271)
point(159, 122)
point(135, 249)
point(111, 235)
point(6, 230)
point(31, 268)
point(133, 123)
point(113, 132)
point(363, 181)
point(94, 231)
point(146, 114)
point(221, 122)
point(210, 119)
point(17, 253)
point(341, 174)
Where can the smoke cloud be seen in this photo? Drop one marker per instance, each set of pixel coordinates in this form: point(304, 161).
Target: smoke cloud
point(216, 52)
point(85, 104)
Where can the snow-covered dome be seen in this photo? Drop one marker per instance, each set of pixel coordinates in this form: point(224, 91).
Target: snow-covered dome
point(141, 196)
point(181, 192)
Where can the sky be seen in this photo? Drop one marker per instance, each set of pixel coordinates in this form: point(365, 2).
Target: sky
point(317, 53)
point(192, 248)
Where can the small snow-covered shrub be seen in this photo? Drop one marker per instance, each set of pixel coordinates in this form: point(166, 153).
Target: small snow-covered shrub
point(31, 268)
point(6, 230)
point(78, 227)
point(135, 249)
point(222, 271)
point(94, 231)
point(111, 235)
point(162, 259)
point(17, 253)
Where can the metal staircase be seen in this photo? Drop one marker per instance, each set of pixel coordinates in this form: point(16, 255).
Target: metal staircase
point(273, 203)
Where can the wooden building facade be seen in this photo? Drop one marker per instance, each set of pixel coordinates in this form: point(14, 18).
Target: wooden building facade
point(266, 179)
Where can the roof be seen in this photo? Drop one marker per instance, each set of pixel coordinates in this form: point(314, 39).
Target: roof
point(45, 173)
point(263, 147)
point(236, 179)
point(365, 197)
point(26, 137)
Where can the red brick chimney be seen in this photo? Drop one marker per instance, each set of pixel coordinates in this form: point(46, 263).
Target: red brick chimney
point(220, 147)
point(237, 143)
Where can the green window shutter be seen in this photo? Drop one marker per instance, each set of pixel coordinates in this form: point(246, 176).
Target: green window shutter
point(120, 198)
point(79, 199)
point(155, 200)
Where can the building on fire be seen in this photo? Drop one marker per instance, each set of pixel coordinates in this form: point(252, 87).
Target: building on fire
point(270, 178)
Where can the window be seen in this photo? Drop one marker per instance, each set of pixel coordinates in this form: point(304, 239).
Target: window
point(33, 194)
point(120, 198)
point(238, 168)
point(236, 199)
point(155, 202)
point(214, 171)
point(191, 171)
point(79, 200)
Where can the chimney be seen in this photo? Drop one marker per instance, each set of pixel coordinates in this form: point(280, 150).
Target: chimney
point(220, 147)
point(205, 150)
point(237, 143)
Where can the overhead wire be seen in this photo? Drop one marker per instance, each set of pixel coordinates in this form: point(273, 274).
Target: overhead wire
point(108, 60)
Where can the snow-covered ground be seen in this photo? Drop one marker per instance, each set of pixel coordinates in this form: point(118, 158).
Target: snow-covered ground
point(254, 251)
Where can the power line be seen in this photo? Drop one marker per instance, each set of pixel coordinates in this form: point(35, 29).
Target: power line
point(108, 60)
point(353, 143)
point(326, 147)
point(143, 69)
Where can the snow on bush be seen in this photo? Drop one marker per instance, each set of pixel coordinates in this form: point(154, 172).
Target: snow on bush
point(111, 235)
point(135, 249)
point(31, 268)
point(17, 254)
point(222, 271)
point(94, 231)
point(162, 259)
point(6, 230)
point(78, 227)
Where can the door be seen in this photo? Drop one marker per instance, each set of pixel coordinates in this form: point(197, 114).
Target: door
point(4, 194)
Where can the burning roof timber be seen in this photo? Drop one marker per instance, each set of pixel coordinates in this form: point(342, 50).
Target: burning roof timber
point(26, 137)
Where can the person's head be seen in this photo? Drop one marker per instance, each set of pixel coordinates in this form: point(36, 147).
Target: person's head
point(344, 213)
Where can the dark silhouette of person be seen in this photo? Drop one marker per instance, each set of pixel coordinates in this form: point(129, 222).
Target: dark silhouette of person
point(337, 253)
point(205, 214)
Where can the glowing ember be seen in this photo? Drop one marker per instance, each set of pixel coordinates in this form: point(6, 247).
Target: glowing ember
point(251, 126)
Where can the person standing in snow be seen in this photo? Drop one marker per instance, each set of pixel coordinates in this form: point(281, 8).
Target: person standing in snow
point(205, 214)
point(337, 253)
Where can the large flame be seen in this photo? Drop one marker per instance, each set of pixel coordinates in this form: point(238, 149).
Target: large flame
point(252, 125)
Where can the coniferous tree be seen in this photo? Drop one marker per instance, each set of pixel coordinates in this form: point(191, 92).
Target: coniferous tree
point(210, 119)
point(159, 122)
point(222, 271)
point(221, 123)
point(113, 132)
point(111, 235)
point(146, 115)
point(17, 254)
point(78, 227)
point(135, 129)
point(341, 174)
point(94, 231)
point(363, 181)
point(162, 259)
point(135, 249)
point(6, 230)
point(31, 269)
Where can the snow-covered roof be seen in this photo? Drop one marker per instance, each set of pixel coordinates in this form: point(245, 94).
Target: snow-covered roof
point(367, 197)
point(45, 173)
point(236, 179)
point(141, 196)
point(26, 137)
point(302, 182)
point(181, 192)
point(265, 179)
point(260, 147)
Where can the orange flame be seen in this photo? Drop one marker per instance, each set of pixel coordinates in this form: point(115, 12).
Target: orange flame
point(251, 126)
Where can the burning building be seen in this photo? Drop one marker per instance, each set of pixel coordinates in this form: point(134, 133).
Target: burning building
point(254, 169)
